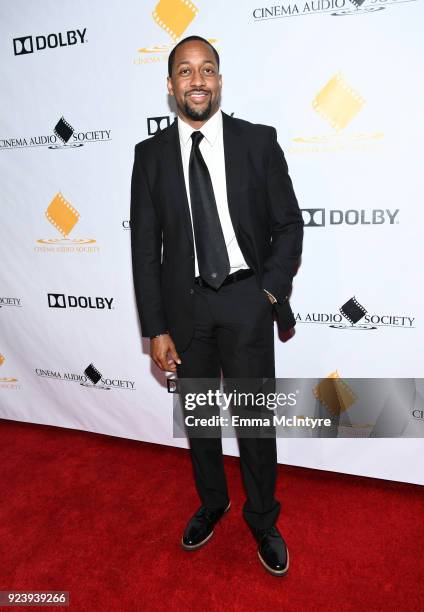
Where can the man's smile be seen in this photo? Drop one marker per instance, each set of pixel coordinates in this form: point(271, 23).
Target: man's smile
point(198, 95)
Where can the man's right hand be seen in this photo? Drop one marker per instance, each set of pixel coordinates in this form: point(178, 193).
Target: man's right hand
point(164, 353)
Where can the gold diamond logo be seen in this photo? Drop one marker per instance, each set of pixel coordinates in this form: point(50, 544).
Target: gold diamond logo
point(335, 394)
point(174, 16)
point(62, 214)
point(1, 359)
point(337, 102)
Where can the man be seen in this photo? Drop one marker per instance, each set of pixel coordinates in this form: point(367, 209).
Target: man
point(216, 238)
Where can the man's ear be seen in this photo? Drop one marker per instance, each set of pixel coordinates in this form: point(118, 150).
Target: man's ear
point(169, 85)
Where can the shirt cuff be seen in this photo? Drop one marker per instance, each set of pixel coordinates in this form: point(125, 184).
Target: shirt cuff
point(272, 296)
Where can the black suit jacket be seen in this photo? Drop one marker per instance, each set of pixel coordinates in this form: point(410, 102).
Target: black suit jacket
point(263, 208)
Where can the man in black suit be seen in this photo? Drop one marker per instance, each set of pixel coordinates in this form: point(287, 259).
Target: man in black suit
point(216, 236)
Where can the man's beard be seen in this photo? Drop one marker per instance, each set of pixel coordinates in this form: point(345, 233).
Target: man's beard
point(198, 115)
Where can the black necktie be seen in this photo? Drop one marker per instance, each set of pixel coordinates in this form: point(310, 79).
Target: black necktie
point(212, 255)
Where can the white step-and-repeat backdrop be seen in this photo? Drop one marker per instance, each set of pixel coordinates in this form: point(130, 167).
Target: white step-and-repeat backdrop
point(82, 83)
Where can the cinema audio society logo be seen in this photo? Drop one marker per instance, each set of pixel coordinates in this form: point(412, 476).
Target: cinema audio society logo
point(24, 45)
point(63, 216)
point(320, 217)
point(338, 104)
point(354, 316)
point(95, 377)
point(174, 17)
point(336, 8)
point(90, 378)
point(60, 300)
point(64, 135)
point(10, 301)
point(7, 382)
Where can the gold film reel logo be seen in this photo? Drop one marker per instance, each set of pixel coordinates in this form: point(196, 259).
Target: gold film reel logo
point(6, 379)
point(62, 214)
point(174, 16)
point(337, 102)
point(333, 393)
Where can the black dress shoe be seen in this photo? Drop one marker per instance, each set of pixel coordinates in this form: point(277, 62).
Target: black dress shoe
point(200, 527)
point(272, 550)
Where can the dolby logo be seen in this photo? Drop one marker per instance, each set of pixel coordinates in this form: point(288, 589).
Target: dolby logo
point(320, 217)
point(23, 45)
point(156, 124)
point(60, 300)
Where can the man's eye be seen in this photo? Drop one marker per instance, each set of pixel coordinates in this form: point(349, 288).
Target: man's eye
point(209, 70)
point(184, 71)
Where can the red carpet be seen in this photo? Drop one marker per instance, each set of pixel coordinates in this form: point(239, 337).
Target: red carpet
point(102, 517)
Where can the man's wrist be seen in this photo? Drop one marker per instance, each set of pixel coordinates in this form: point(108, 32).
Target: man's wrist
point(273, 298)
point(165, 333)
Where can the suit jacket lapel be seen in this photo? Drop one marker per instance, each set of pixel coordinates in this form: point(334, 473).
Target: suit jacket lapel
point(233, 166)
point(173, 161)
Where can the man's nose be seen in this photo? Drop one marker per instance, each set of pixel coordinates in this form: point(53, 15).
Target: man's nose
point(197, 78)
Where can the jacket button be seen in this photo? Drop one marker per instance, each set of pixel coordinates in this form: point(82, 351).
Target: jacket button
point(191, 291)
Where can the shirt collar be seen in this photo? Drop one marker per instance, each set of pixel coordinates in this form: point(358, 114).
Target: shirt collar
point(210, 129)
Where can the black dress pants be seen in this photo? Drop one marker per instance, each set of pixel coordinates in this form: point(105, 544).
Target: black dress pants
point(234, 333)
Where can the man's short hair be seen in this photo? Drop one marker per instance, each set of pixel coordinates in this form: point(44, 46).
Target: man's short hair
point(188, 39)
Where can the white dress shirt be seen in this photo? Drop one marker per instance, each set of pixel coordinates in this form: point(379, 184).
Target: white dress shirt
point(212, 149)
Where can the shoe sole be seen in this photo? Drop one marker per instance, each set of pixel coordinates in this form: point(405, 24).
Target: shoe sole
point(200, 544)
point(273, 571)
